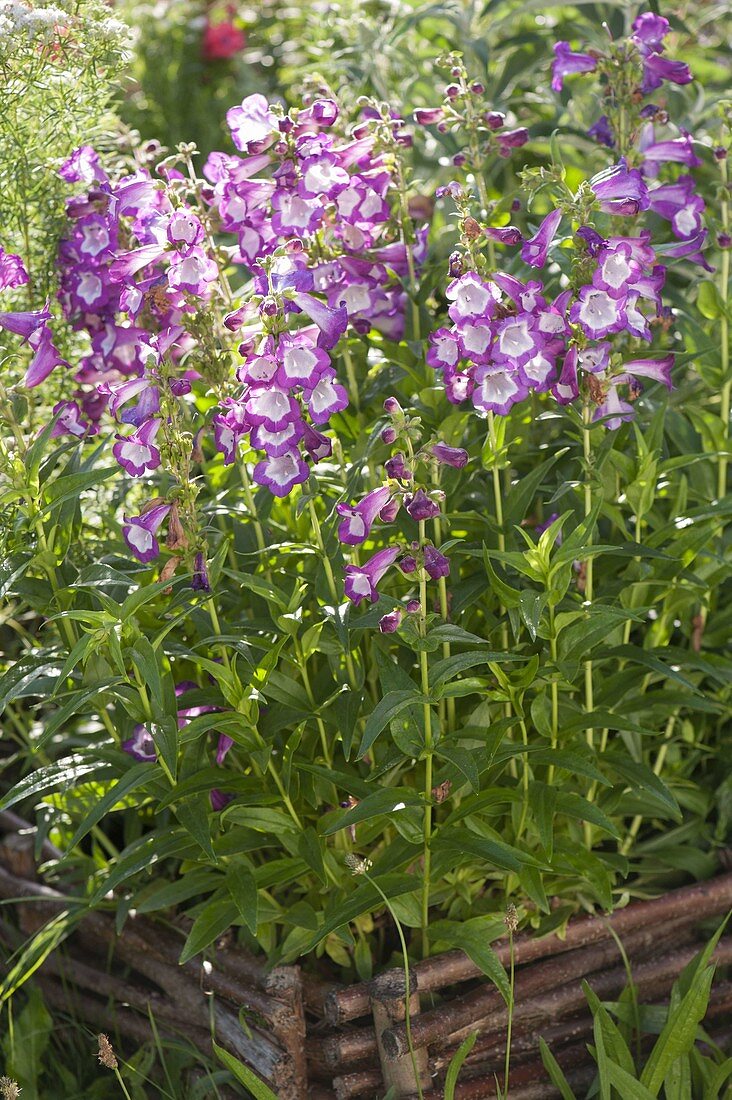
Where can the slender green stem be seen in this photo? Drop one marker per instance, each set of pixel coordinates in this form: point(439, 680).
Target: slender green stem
point(509, 1028)
point(352, 380)
point(554, 689)
point(428, 754)
point(587, 449)
point(407, 235)
point(524, 778)
point(123, 1086)
point(724, 341)
point(498, 504)
point(657, 769)
point(302, 662)
point(407, 983)
point(444, 611)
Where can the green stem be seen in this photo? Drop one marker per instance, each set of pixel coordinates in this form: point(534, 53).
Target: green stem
point(657, 769)
point(442, 589)
point(123, 1086)
point(724, 342)
point(251, 507)
point(524, 778)
point(352, 381)
point(554, 689)
point(302, 662)
point(512, 983)
point(428, 751)
point(587, 450)
point(407, 984)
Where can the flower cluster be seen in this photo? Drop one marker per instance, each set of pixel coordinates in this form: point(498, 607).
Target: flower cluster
point(510, 337)
point(631, 70)
point(312, 218)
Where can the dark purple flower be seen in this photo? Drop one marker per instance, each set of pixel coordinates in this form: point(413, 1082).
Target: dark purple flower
point(282, 473)
point(222, 748)
point(511, 139)
point(358, 520)
point(396, 467)
point(25, 323)
point(200, 581)
point(567, 62)
point(389, 623)
point(535, 250)
point(219, 799)
point(602, 132)
point(420, 506)
point(428, 116)
point(361, 581)
point(408, 564)
point(450, 456)
point(436, 564)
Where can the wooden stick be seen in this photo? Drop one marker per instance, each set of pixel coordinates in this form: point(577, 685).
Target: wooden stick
point(388, 1005)
point(686, 905)
point(461, 1012)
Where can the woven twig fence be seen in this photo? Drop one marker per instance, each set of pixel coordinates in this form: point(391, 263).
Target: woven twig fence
point(312, 1039)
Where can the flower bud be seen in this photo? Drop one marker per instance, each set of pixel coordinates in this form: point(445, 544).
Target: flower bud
point(494, 120)
point(392, 406)
point(389, 512)
point(435, 563)
point(389, 623)
point(388, 435)
point(421, 507)
point(459, 160)
point(397, 468)
point(455, 265)
point(413, 607)
point(408, 564)
point(477, 88)
point(452, 91)
point(179, 387)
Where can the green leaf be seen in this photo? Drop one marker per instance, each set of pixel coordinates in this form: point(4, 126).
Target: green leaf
point(136, 777)
point(393, 703)
point(626, 1084)
point(384, 801)
point(474, 937)
point(521, 495)
point(557, 1078)
point(213, 920)
point(608, 1036)
point(243, 889)
point(456, 1064)
point(449, 667)
point(677, 1037)
point(464, 761)
point(495, 852)
point(65, 773)
point(243, 1074)
point(709, 301)
point(640, 777)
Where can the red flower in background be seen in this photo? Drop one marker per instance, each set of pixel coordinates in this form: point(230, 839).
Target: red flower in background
point(222, 40)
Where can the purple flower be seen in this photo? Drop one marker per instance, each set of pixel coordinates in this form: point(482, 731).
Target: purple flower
point(535, 250)
point(356, 526)
point(389, 623)
point(141, 745)
point(282, 473)
point(69, 420)
point(620, 190)
point(601, 131)
point(598, 312)
point(616, 270)
point(219, 799)
point(498, 389)
point(649, 30)
point(317, 445)
point(428, 116)
point(449, 456)
point(507, 234)
point(436, 564)
point(691, 250)
point(361, 581)
point(679, 203)
point(136, 453)
point(139, 532)
point(82, 167)
point(567, 62)
point(656, 69)
point(325, 398)
point(253, 126)
point(658, 370)
point(199, 580)
point(396, 467)
point(12, 270)
point(222, 748)
point(613, 411)
point(45, 359)
point(25, 323)
point(566, 389)
point(471, 297)
point(511, 139)
point(678, 150)
point(420, 506)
